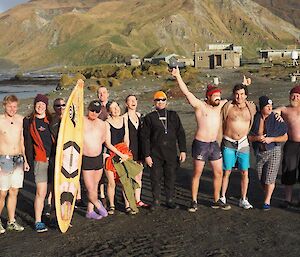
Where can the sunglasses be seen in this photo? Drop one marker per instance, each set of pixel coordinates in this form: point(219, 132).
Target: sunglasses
point(96, 111)
point(160, 100)
point(60, 105)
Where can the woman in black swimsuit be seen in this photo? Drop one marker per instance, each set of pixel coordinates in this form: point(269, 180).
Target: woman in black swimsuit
point(133, 119)
point(116, 135)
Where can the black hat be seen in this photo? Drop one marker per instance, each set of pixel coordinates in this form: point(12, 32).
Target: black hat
point(263, 101)
point(95, 105)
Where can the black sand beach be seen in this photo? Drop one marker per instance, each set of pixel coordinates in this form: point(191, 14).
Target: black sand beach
point(208, 232)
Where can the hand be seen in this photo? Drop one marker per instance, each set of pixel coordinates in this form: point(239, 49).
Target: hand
point(124, 157)
point(266, 140)
point(148, 161)
point(26, 166)
point(278, 117)
point(182, 156)
point(176, 72)
point(80, 82)
point(246, 81)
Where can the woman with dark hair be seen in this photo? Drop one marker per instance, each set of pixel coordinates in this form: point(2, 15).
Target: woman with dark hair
point(133, 120)
point(117, 141)
point(38, 143)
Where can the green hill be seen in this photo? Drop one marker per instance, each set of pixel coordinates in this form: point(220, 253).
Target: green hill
point(45, 33)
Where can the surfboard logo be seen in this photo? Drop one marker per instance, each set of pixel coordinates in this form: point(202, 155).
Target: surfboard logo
point(71, 156)
point(72, 114)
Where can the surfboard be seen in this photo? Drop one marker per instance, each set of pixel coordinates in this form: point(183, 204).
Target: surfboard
point(68, 157)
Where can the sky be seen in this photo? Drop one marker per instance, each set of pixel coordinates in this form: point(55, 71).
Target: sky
point(6, 4)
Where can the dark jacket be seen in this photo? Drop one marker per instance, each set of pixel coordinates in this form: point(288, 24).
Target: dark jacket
point(272, 128)
point(156, 143)
point(34, 148)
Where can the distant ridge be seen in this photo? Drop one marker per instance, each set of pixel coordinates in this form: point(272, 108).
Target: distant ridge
point(45, 33)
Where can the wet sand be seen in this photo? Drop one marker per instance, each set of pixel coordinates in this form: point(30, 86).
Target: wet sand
point(208, 232)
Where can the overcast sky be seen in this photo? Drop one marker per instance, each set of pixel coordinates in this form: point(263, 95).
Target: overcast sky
point(6, 4)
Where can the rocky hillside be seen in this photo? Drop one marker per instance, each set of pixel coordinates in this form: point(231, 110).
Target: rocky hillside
point(45, 33)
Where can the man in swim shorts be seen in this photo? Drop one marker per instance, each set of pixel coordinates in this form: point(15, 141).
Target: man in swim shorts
point(92, 160)
point(13, 161)
point(205, 147)
point(291, 151)
point(237, 119)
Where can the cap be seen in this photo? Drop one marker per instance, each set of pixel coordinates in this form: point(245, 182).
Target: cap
point(95, 105)
point(159, 94)
point(41, 98)
point(263, 101)
point(295, 89)
point(211, 89)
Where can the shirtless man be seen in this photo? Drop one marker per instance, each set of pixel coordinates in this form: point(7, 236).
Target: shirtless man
point(92, 159)
point(237, 118)
point(205, 146)
point(291, 150)
point(103, 96)
point(13, 161)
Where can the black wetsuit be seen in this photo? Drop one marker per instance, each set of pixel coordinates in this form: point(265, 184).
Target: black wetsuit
point(159, 137)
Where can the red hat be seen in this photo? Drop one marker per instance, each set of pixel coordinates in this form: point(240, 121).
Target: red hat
point(211, 89)
point(295, 90)
point(41, 98)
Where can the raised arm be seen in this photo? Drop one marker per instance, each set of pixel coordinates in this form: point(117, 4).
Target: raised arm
point(194, 101)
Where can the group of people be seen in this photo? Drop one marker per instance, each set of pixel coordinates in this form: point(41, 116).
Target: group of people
point(120, 145)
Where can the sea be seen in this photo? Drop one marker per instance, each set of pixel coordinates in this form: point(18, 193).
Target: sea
point(25, 89)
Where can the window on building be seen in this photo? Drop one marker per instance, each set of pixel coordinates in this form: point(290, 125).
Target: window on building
point(225, 56)
point(200, 58)
point(282, 54)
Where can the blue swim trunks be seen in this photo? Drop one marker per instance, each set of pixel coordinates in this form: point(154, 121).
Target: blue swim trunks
point(236, 151)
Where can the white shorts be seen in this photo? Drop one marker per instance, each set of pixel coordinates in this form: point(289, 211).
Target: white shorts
point(12, 179)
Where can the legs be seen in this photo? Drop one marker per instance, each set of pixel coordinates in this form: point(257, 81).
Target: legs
point(40, 195)
point(288, 189)
point(91, 180)
point(244, 183)
point(169, 170)
point(2, 199)
point(198, 168)
point(268, 188)
point(225, 182)
point(12, 203)
point(111, 185)
point(138, 191)
point(217, 181)
point(156, 172)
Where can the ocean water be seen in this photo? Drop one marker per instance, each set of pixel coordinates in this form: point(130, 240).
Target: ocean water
point(23, 91)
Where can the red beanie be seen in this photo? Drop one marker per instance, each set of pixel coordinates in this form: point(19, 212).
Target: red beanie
point(41, 98)
point(295, 89)
point(211, 89)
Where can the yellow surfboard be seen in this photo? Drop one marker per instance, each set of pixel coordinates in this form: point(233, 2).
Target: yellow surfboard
point(68, 157)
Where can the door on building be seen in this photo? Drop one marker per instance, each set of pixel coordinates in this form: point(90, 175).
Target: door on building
point(218, 60)
point(211, 61)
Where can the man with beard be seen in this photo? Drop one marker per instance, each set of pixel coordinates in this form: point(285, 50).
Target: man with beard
point(237, 120)
point(291, 150)
point(205, 146)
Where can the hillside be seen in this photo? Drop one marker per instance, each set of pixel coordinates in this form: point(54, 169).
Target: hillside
point(45, 33)
point(287, 10)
